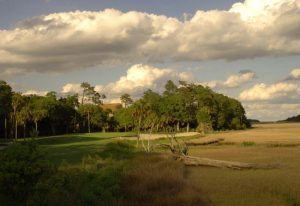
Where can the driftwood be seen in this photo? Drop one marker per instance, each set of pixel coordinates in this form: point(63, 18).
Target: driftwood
point(213, 141)
point(197, 161)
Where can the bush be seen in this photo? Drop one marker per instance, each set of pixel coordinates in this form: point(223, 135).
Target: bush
point(22, 165)
point(76, 187)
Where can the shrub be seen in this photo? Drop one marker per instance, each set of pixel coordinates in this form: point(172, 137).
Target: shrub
point(22, 165)
point(76, 187)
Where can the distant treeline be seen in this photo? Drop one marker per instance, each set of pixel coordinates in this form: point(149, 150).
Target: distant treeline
point(179, 107)
point(293, 119)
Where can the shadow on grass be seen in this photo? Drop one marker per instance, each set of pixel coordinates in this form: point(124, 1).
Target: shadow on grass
point(72, 154)
point(69, 139)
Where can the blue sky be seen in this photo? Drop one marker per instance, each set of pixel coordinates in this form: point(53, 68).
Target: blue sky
point(246, 49)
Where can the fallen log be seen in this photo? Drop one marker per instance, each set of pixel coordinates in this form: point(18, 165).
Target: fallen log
point(197, 161)
point(213, 141)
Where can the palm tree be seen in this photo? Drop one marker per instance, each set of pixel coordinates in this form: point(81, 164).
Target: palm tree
point(17, 104)
point(22, 117)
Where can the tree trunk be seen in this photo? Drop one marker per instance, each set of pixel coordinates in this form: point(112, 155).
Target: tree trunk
point(202, 128)
point(16, 130)
point(188, 127)
point(5, 126)
point(89, 126)
point(149, 137)
point(82, 98)
point(75, 120)
point(139, 131)
point(178, 127)
point(202, 143)
point(53, 129)
point(125, 128)
point(197, 161)
point(24, 131)
point(36, 127)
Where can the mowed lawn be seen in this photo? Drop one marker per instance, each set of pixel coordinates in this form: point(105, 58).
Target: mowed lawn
point(72, 148)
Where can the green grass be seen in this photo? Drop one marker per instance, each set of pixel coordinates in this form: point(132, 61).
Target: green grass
point(248, 144)
point(73, 147)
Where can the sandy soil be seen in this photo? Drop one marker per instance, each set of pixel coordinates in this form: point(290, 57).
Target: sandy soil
point(158, 136)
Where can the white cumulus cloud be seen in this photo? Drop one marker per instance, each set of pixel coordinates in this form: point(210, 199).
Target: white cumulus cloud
point(66, 41)
point(294, 75)
point(34, 92)
point(71, 88)
point(271, 112)
point(233, 81)
point(273, 92)
point(138, 78)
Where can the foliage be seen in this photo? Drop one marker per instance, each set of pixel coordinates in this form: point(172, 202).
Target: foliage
point(5, 106)
point(126, 100)
point(22, 166)
point(293, 119)
point(184, 106)
point(78, 186)
point(27, 178)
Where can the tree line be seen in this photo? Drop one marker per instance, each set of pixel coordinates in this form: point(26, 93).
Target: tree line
point(180, 107)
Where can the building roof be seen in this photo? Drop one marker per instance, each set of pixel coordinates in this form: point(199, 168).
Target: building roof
point(112, 106)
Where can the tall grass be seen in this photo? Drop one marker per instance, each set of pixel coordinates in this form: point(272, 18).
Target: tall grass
point(161, 182)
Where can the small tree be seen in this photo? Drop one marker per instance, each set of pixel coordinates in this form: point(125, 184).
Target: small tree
point(23, 117)
point(5, 103)
point(38, 110)
point(86, 110)
point(126, 100)
point(203, 119)
point(17, 104)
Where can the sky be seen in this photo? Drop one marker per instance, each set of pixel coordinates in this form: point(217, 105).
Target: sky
point(248, 50)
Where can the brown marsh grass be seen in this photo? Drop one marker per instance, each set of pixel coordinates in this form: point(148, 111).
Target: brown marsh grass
point(157, 181)
point(270, 143)
point(285, 133)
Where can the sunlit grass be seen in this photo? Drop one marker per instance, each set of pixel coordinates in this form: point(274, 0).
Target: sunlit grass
point(73, 147)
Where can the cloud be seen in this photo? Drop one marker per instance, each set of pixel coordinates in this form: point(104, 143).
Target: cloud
point(139, 78)
point(62, 42)
point(233, 81)
point(294, 75)
point(34, 92)
point(279, 92)
point(71, 88)
point(265, 111)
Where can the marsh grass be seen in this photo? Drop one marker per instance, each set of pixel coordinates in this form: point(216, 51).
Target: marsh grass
point(283, 145)
point(160, 181)
point(248, 144)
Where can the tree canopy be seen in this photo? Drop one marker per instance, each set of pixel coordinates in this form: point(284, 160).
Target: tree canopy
point(181, 107)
